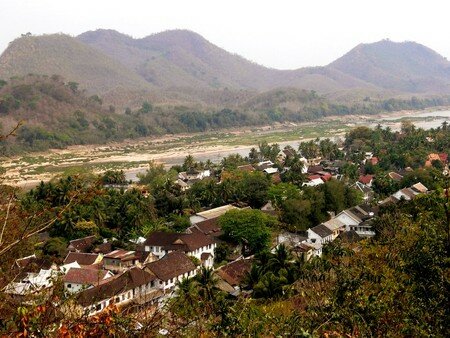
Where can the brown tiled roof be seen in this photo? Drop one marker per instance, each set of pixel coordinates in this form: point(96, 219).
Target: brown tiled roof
point(179, 242)
point(233, 273)
point(103, 248)
point(365, 179)
point(209, 226)
point(172, 265)
point(111, 287)
point(303, 247)
point(85, 276)
point(81, 258)
point(322, 230)
point(314, 169)
point(81, 244)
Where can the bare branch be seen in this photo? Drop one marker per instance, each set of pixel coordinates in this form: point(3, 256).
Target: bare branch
point(6, 220)
point(13, 131)
point(40, 229)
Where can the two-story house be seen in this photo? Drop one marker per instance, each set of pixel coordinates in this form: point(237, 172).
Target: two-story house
point(170, 269)
point(133, 285)
point(78, 279)
point(195, 244)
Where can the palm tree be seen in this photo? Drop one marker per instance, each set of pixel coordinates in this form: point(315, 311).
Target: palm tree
point(207, 283)
point(281, 258)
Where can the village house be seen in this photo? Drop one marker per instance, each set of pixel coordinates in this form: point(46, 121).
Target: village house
point(119, 260)
point(336, 226)
point(78, 279)
point(195, 244)
point(211, 213)
point(186, 178)
point(234, 274)
point(366, 180)
point(88, 260)
point(133, 285)
point(306, 251)
point(208, 227)
point(319, 234)
point(171, 269)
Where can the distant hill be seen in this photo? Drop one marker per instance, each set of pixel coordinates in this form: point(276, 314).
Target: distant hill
point(406, 66)
point(173, 65)
point(181, 58)
point(66, 56)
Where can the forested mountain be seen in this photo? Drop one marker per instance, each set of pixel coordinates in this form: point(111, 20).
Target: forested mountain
point(406, 66)
point(179, 60)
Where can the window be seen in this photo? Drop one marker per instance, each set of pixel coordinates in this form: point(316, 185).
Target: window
point(152, 283)
point(98, 307)
point(69, 285)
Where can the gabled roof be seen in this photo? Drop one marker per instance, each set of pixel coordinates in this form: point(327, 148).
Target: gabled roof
point(172, 265)
point(85, 276)
point(111, 287)
point(395, 176)
point(321, 230)
point(208, 226)
point(121, 254)
point(233, 273)
point(82, 258)
point(179, 242)
point(81, 244)
point(419, 187)
point(216, 212)
point(334, 224)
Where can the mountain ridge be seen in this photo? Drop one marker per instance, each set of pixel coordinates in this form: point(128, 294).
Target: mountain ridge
point(105, 61)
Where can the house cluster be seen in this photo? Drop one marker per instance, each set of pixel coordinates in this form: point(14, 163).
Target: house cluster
point(187, 178)
point(100, 275)
point(351, 224)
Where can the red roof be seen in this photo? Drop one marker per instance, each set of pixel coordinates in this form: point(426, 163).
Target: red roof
point(366, 179)
point(443, 157)
point(313, 177)
point(85, 276)
point(374, 160)
point(326, 177)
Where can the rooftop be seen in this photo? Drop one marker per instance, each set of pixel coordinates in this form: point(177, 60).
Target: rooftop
point(322, 230)
point(216, 212)
point(179, 242)
point(82, 258)
point(172, 265)
point(233, 273)
point(111, 287)
point(85, 276)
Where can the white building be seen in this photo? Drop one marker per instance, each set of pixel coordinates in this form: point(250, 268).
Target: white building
point(195, 244)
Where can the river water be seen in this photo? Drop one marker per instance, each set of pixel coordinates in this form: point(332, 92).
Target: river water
point(424, 120)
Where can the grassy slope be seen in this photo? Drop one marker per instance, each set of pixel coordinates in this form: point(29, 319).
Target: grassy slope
point(70, 58)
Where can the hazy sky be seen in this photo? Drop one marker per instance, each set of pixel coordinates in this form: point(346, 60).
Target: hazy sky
point(281, 34)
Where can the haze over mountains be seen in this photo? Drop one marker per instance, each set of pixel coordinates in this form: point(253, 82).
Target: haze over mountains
point(105, 60)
